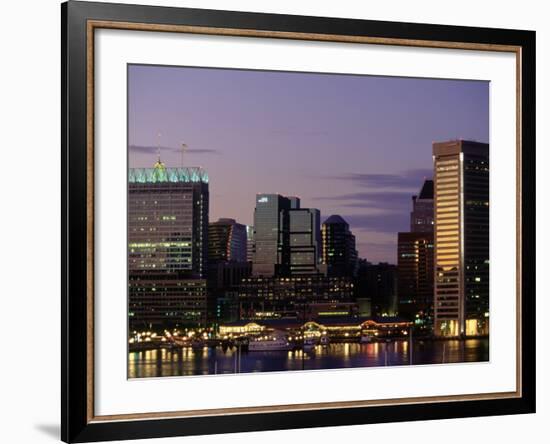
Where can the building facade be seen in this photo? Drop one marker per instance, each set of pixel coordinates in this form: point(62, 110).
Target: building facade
point(227, 241)
point(461, 202)
point(167, 245)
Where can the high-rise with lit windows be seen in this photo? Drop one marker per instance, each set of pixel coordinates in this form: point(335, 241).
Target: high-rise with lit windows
point(167, 245)
point(461, 205)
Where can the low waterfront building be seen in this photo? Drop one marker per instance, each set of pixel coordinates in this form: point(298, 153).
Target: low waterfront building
point(337, 328)
point(241, 328)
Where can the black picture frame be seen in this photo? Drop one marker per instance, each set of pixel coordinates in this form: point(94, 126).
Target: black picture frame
point(76, 424)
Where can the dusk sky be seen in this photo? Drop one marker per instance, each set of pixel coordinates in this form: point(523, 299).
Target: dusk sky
point(357, 146)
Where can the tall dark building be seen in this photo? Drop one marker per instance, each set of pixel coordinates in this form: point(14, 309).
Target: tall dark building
point(268, 226)
point(422, 215)
point(339, 253)
point(415, 259)
point(378, 282)
point(300, 248)
point(167, 245)
point(227, 241)
point(461, 199)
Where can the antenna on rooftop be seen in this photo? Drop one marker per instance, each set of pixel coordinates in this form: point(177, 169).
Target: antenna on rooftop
point(158, 145)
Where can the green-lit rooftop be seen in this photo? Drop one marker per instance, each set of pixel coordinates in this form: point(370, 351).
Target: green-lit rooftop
point(160, 174)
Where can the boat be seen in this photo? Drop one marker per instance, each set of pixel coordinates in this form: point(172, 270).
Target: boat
point(272, 343)
point(309, 343)
point(366, 339)
point(197, 344)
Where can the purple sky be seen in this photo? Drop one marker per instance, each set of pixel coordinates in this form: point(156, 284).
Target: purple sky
point(358, 146)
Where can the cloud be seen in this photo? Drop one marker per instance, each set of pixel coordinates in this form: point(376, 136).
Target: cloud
point(386, 200)
point(383, 223)
point(202, 151)
point(300, 132)
point(143, 149)
point(408, 179)
point(383, 202)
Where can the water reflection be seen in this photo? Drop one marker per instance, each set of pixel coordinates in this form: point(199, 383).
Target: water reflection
point(207, 361)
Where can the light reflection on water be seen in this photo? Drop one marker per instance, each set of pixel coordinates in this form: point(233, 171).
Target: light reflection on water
point(207, 361)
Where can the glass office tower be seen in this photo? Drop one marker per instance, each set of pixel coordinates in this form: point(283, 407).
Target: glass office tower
point(267, 232)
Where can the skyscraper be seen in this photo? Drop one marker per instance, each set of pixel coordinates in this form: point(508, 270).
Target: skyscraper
point(339, 253)
point(461, 174)
point(415, 259)
point(267, 232)
point(227, 241)
point(422, 215)
point(167, 245)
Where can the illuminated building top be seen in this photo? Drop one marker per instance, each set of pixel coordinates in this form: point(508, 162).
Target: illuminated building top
point(160, 174)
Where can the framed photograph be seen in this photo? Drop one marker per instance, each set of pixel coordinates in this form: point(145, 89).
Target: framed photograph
point(275, 221)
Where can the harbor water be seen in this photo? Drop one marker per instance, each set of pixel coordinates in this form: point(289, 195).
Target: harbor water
point(217, 360)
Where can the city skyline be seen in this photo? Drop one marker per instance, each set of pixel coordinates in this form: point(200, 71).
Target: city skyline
point(286, 133)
